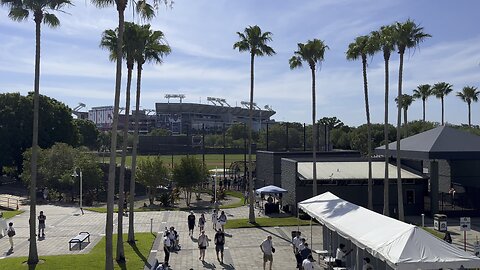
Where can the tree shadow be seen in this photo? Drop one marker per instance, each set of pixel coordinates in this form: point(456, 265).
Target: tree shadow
point(137, 251)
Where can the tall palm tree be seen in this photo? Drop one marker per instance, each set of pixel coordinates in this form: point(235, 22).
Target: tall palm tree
point(109, 41)
point(423, 91)
point(20, 10)
point(361, 48)
point(146, 11)
point(407, 35)
point(469, 94)
point(151, 47)
point(383, 40)
point(441, 90)
point(406, 101)
point(313, 53)
point(252, 40)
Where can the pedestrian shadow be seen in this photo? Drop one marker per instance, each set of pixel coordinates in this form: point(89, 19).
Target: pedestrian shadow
point(227, 266)
point(195, 240)
point(207, 265)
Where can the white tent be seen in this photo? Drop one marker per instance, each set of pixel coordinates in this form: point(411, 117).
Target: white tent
point(270, 190)
point(400, 245)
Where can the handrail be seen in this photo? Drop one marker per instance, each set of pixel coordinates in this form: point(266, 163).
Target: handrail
point(8, 202)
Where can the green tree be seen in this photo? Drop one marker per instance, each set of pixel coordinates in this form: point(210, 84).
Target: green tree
point(441, 90)
point(423, 91)
point(361, 48)
point(358, 136)
point(416, 127)
point(406, 101)
point(88, 133)
point(313, 53)
point(469, 94)
point(383, 40)
point(252, 40)
point(152, 172)
point(160, 132)
point(188, 174)
point(407, 35)
point(331, 122)
point(151, 47)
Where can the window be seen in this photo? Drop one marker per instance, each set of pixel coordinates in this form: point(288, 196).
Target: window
point(410, 196)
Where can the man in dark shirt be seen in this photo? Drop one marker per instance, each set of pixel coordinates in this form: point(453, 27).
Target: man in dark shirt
point(41, 224)
point(191, 223)
point(219, 244)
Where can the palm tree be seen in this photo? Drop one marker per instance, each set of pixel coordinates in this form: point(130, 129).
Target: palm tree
point(252, 40)
point(109, 41)
point(312, 53)
point(407, 35)
point(469, 94)
point(406, 101)
point(383, 40)
point(423, 91)
point(361, 48)
point(41, 11)
point(146, 12)
point(441, 90)
point(151, 47)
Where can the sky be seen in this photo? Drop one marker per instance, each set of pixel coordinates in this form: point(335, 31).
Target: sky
point(204, 64)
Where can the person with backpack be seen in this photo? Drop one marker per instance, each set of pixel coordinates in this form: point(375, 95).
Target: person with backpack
point(191, 223)
point(11, 233)
point(202, 245)
point(201, 223)
point(219, 244)
point(41, 224)
point(222, 220)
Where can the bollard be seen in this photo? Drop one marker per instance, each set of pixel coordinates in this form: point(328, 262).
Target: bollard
point(423, 220)
point(151, 225)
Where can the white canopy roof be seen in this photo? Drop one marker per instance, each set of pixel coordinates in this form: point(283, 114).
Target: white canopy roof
point(270, 190)
point(401, 245)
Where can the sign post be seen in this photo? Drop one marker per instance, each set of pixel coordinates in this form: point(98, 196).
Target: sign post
point(465, 226)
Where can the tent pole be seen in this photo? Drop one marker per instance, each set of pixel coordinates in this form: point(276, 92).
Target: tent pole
point(298, 220)
point(311, 234)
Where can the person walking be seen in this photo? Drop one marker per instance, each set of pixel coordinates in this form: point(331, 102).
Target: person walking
point(245, 197)
point(167, 243)
point(3, 225)
point(191, 223)
point(219, 244)
point(201, 223)
point(214, 219)
point(11, 233)
point(267, 249)
point(41, 224)
point(222, 220)
point(202, 245)
point(340, 255)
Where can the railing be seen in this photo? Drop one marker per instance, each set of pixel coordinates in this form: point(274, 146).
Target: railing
point(8, 202)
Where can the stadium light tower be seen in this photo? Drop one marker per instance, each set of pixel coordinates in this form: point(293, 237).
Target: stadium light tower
point(179, 96)
point(220, 101)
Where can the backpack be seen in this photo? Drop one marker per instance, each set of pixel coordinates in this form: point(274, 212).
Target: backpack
point(11, 233)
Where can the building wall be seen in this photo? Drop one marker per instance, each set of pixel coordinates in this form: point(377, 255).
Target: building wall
point(444, 176)
point(266, 169)
point(288, 176)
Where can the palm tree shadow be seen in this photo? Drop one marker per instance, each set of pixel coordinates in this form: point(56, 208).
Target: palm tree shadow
point(32, 266)
point(139, 254)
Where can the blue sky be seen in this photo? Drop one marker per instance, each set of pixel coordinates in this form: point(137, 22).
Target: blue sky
point(203, 63)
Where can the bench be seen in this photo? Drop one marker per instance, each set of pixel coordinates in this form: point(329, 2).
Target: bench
point(79, 239)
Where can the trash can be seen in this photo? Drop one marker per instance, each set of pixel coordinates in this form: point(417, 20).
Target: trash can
point(440, 222)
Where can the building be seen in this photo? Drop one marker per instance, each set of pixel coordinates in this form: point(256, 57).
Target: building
point(103, 119)
point(183, 117)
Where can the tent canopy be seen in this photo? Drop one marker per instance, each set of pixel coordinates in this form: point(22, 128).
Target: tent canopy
point(270, 190)
point(400, 245)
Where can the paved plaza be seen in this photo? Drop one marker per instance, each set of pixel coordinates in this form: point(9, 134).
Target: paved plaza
point(241, 249)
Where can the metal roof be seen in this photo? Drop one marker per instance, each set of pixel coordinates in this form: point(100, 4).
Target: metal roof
point(355, 170)
point(438, 143)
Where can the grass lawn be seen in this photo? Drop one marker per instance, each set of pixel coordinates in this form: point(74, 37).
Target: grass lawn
point(265, 222)
point(212, 160)
point(10, 214)
point(136, 257)
point(434, 232)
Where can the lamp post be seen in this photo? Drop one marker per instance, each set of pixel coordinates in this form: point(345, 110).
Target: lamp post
point(81, 185)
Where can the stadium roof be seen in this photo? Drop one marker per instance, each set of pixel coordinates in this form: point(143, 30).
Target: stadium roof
point(209, 109)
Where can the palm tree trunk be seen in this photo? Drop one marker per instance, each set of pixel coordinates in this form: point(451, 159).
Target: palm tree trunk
point(405, 121)
point(121, 181)
point(443, 123)
point(401, 215)
point(32, 250)
point(131, 230)
point(386, 197)
point(469, 115)
point(113, 143)
point(369, 133)
point(251, 213)
point(423, 101)
point(314, 133)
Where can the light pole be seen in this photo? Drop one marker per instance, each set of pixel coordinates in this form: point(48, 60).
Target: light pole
point(81, 185)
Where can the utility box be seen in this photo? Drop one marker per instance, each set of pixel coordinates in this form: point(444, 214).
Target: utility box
point(440, 222)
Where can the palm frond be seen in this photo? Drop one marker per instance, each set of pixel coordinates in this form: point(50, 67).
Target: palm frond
point(103, 3)
point(51, 20)
point(18, 14)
